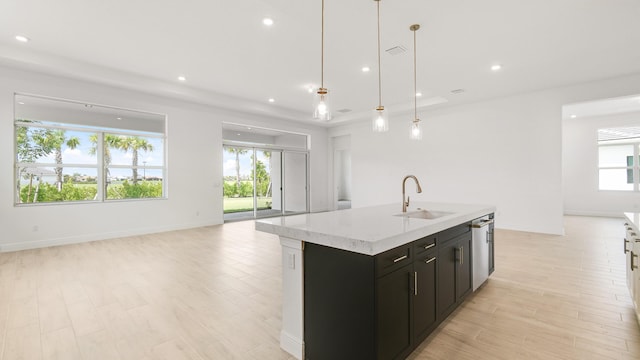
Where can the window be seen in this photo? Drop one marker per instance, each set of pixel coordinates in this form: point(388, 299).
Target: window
point(618, 159)
point(75, 152)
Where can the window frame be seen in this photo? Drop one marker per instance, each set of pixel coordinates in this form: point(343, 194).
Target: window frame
point(100, 166)
point(635, 166)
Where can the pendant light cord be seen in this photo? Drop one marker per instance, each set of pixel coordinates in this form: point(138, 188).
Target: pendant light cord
point(322, 50)
point(379, 67)
point(415, 86)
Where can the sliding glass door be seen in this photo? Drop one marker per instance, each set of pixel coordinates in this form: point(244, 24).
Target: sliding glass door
point(262, 182)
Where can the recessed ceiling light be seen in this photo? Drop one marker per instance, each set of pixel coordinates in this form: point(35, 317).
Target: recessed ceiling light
point(248, 128)
point(182, 78)
point(272, 100)
point(267, 21)
point(22, 38)
point(118, 118)
point(310, 89)
point(573, 116)
point(20, 102)
point(238, 134)
point(366, 69)
point(496, 67)
point(418, 94)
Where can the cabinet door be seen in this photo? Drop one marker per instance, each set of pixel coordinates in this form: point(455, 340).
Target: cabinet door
point(424, 300)
point(628, 249)
point(463, 269)
point(393, 294)
point(635, 272)
point(446, 284)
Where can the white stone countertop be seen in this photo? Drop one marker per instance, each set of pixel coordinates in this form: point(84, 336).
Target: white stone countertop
point(370, 230)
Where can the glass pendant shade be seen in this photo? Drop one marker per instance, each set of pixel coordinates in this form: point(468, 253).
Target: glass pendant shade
point(322, 111)
point(416, 131)
point(380, 119)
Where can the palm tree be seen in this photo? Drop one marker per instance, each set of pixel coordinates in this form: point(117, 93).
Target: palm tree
point(57, 139)
point(237, 152)
point(110, 142)
point(135, 144)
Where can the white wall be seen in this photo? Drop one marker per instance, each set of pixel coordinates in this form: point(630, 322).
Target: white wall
point(505, 152)
point(194, 154)
point(580, 168)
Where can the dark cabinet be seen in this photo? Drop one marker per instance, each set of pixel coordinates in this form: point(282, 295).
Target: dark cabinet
point(463, 269)
point(394, 304)
point(454, 273)
point(383, 306)
point(424, 301)
point(406, 303)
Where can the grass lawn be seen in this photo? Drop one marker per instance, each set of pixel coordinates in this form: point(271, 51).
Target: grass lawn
point(232, 205)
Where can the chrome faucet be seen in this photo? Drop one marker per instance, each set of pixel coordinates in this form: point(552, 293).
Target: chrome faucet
point(405, 204)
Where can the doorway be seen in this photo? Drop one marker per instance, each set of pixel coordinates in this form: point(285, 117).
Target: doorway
point(263, 182)
point(342, 172)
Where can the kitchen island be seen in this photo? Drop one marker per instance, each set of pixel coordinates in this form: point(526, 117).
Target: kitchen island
point(371, 282)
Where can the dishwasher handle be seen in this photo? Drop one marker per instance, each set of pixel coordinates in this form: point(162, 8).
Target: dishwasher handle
point(482, 223)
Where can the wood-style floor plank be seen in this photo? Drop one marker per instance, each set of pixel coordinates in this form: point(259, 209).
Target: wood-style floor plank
point(215, 293)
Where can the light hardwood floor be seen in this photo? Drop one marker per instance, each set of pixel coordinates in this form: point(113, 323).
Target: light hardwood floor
point(214, 293)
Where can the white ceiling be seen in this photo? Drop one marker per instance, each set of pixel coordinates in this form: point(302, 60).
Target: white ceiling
point(231, 59)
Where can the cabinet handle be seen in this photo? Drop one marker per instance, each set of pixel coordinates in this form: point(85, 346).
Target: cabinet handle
point(633, 234)
point(400, 258)
point(461, 255)
point(429, 246)
point(633, 266)
point(431, 260)
point(625, 246)
point(625, 224)
point(415, 283)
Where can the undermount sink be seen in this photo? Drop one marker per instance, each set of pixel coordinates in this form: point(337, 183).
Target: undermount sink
point(424, 214)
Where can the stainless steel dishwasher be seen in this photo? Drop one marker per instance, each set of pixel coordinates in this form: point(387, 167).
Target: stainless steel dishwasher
point(480, 241)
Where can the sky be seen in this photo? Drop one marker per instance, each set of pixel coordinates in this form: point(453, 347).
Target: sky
point(229, 163)
point(81, 156)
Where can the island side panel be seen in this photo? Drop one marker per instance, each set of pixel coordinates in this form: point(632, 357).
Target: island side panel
point(291, 335)
point(339, 304)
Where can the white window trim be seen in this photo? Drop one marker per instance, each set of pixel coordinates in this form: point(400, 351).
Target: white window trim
point(101, 197)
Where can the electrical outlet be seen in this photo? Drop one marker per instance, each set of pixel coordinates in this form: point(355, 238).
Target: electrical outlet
point(292, 261)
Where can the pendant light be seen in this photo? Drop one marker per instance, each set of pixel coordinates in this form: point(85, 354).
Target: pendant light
point(322, 111)
point(416, 131)
point(380, 116)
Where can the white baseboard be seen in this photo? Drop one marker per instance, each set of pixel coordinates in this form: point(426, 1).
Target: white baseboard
point(616, 214)
point(292, 345)
point(37, 244)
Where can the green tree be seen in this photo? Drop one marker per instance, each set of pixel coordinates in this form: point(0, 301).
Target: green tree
point(110, 142)
point(135, 144)
point(262, 178)
point(267, 155)
point(237, 152)
point(30, 146)
point(54, 139)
